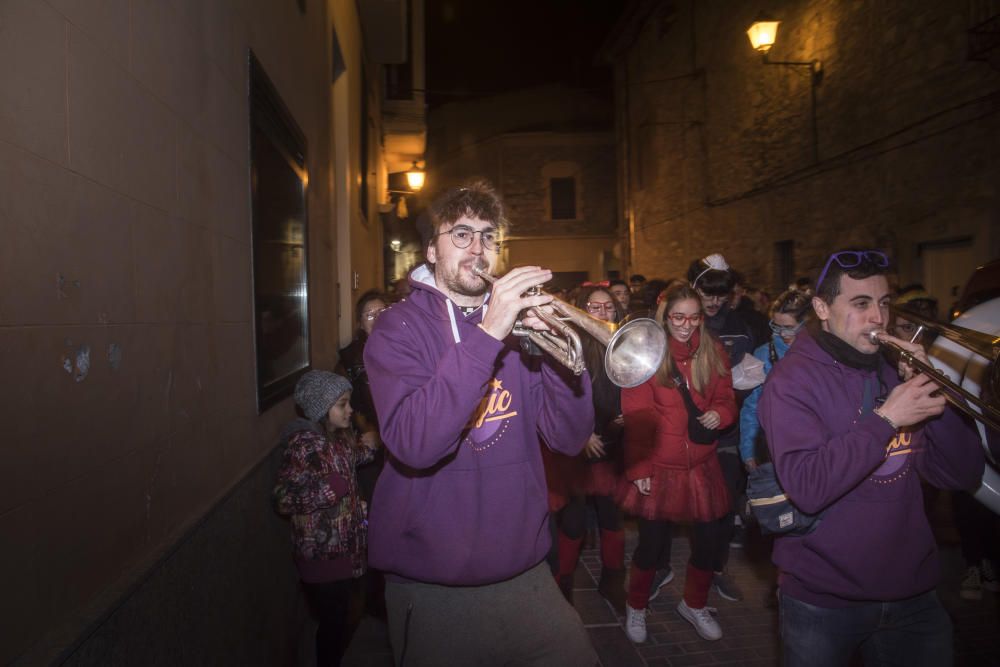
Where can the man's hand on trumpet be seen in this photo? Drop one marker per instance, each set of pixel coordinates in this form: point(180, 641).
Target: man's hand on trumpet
point(509, 300)
point(906, 370)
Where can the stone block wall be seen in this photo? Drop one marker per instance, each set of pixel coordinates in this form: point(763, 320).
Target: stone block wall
point(717, 149)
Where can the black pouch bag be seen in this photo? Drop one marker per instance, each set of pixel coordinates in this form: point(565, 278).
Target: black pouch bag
point(697, 433)
point(772, 509)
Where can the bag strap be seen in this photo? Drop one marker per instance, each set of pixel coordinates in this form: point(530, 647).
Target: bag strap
point(771, 352)
point(686, 395)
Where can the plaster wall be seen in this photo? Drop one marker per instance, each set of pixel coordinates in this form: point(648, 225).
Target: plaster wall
point(126, 333)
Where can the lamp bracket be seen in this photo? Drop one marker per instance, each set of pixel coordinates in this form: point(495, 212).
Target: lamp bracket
point(815, 67)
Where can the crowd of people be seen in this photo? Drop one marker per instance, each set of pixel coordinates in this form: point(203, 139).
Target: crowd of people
point(491, 459)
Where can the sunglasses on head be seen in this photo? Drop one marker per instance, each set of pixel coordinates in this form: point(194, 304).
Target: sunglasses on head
point(848, 259)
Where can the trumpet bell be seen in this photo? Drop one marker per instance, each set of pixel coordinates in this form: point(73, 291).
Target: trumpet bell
point(634, 352)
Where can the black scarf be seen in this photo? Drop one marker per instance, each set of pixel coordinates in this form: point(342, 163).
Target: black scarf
point(846, 354)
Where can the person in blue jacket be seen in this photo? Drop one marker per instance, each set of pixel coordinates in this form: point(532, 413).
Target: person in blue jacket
point(788, 314)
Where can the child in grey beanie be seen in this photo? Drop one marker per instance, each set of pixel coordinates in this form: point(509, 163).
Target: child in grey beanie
point(317, 391)
point(318, 490)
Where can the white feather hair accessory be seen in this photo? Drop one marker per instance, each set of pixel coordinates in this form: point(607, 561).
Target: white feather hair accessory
point(714, 262)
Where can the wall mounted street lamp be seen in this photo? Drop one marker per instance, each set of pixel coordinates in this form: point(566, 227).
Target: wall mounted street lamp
point(415, 177)
point(763, 33)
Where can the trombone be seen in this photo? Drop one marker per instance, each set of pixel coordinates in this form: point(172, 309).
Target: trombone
point(982, 344)
point(634, 350)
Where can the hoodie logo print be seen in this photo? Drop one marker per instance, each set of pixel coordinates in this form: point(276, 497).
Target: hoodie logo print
point(489, 421)
point(897, 454)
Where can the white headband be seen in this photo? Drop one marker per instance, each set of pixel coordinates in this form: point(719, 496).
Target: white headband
point(715, 262)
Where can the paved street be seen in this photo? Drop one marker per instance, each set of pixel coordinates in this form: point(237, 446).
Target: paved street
point(750, 636)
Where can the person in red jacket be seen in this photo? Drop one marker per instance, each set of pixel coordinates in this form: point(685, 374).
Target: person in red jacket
point(672, 478)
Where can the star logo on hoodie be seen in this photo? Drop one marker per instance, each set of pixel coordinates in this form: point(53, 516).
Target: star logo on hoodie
point(489, 421)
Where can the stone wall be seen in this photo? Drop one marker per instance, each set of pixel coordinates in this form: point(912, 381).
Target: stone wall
point(718, 150)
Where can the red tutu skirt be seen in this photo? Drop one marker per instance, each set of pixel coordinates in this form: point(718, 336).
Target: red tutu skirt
point(560, 472)
point(698, 494)
point(568, 476)
point(600, 478)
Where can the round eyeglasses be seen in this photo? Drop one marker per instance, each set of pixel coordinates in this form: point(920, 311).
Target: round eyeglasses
point(462, 236)
point(677, 319)
point(373, 314)
point(595, 307)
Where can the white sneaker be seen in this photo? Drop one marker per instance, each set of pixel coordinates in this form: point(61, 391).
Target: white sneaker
point(989, 576)
point(972, 587)
point(706, 626)
point(635, 624)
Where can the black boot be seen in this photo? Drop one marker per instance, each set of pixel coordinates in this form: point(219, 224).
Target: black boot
point(612, 588)
point(566, 586)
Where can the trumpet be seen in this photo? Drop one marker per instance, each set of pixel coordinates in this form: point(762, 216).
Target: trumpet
point(634, 350)
point(983, 344)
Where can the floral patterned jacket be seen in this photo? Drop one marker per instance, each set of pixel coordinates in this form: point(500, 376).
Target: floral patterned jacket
point(318, 490)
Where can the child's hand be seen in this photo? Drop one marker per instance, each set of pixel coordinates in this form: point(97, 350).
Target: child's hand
point(370, 440)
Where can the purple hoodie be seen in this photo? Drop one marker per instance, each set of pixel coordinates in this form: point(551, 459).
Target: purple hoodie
point(462, 499)
point(874, 542)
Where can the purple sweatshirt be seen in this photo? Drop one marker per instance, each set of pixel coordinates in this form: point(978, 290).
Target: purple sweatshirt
point(874, 542)
point(462, 499)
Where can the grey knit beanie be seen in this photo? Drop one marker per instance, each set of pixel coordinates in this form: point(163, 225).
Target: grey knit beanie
point(317, 391)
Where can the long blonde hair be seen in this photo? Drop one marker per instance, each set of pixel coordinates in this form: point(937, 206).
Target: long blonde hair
point(706, 360)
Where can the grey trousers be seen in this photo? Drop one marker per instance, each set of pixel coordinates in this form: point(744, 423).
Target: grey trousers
point(521, 621)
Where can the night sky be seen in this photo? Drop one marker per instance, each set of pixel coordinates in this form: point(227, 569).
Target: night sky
point(479, 47)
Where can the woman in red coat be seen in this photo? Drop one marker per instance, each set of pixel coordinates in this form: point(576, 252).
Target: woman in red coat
point(671, 477)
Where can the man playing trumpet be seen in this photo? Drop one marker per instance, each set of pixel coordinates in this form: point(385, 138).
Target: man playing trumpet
point(459, 517)
point(850, 440)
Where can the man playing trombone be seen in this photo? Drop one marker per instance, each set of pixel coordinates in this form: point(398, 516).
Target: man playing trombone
point(459, 516)
point(850, 441)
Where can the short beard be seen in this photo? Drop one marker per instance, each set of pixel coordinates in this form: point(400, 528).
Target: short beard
point(459, 284)
point(458, 287)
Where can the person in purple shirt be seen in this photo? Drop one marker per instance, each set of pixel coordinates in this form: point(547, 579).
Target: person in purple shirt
point(459, 519)
point(851, 437)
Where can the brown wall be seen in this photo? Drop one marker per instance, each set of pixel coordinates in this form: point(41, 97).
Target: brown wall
point(124, 213)
point(716, 149)
point(512, 141)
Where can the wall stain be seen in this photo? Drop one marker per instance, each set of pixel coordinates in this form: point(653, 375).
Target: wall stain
point(114, 356)
point(77, 363)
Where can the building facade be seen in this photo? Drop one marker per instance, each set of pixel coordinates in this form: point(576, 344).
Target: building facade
point(137, 456)
point(874, 125)
point(549, 151)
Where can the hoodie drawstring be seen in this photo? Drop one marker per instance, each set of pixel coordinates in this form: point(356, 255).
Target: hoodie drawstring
point(451, 317)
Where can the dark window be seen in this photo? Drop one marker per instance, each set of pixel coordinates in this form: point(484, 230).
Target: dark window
point(562, 192)
point(280, 250)
point(784, 263)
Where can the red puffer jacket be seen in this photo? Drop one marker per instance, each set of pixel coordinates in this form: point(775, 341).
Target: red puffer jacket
point(656, 419)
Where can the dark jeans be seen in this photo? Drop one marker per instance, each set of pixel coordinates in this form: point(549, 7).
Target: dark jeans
point(331, 603)
point(915, 632)
point(654, 539)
